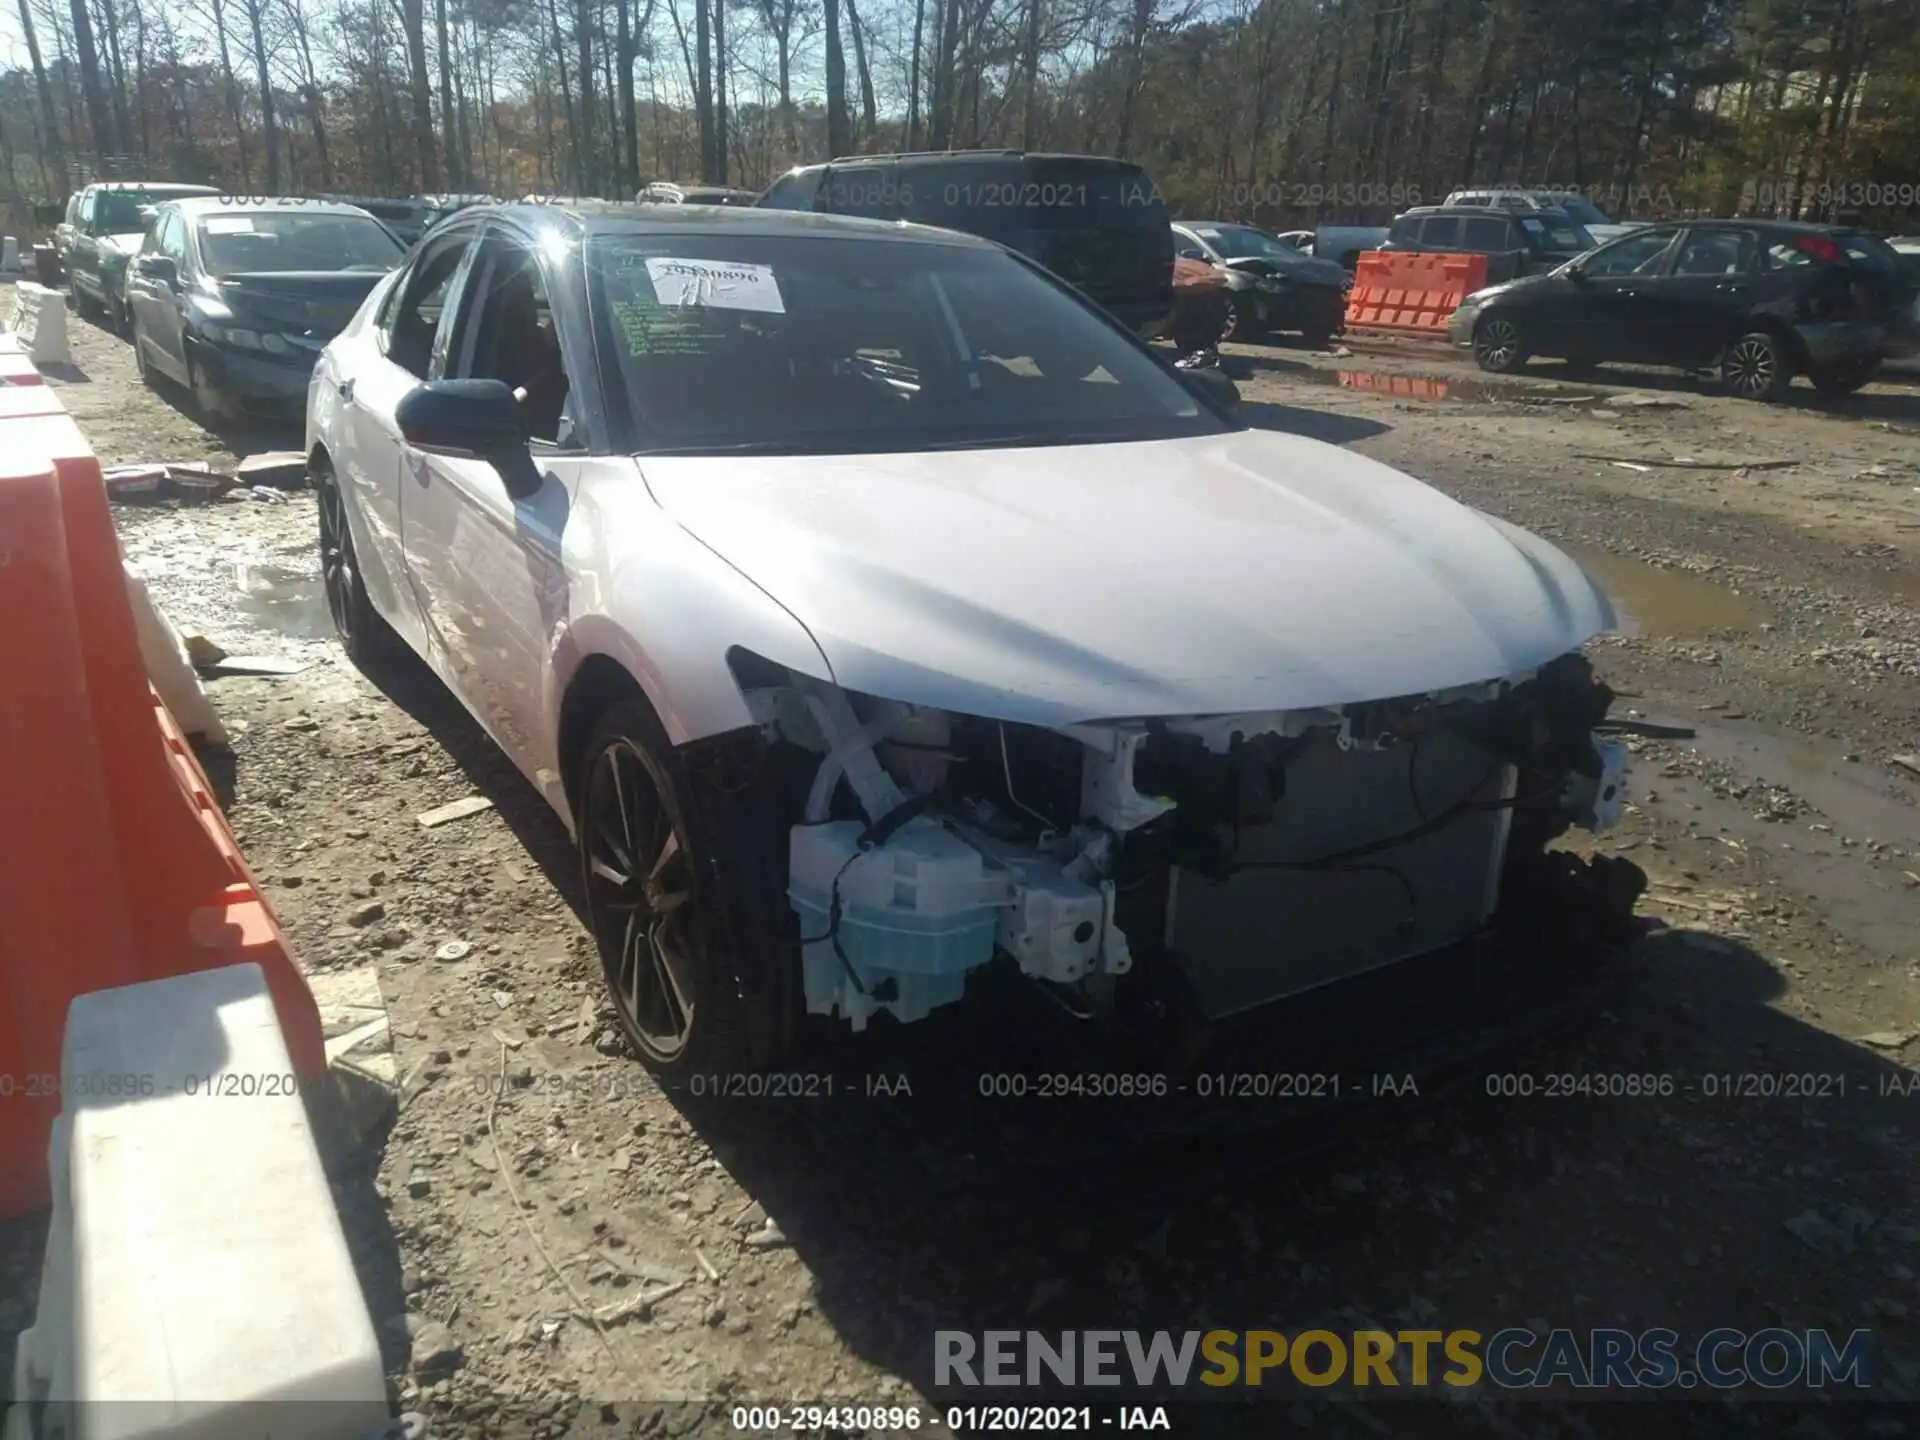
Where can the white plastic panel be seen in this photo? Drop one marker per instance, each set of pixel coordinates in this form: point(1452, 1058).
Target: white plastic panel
point(198, 1283)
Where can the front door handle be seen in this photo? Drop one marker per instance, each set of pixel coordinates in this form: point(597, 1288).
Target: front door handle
point(419, 468)
point(345, 387)
point(1729, 288)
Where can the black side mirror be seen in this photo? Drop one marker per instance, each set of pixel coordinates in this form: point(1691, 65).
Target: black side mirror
point(471, 420)
point(158, 267)
point(1212, 387)
point(1575, 270)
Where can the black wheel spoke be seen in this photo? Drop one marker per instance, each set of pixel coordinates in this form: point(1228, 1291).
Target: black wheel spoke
point(640, 880)
point(673, 994)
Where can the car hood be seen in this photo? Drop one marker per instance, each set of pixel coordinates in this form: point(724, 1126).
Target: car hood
point(1513, 287)
point(1311, 272)
point(318, 302)
point(1232, 573)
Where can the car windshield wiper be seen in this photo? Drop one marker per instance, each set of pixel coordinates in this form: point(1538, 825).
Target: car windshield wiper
point(745, 447)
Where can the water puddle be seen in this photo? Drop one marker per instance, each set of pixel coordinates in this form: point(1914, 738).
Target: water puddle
point(287, 601)
point(1403, 387)
point(1657, 602)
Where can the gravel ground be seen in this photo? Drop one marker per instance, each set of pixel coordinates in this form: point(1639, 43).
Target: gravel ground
point(805, 1250)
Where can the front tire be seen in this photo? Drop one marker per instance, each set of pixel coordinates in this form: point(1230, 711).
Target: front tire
point(1757, 367)
point(696, 942)
point(364, 634)
point(1498, 345)
point(208, 402)
point(141, 365)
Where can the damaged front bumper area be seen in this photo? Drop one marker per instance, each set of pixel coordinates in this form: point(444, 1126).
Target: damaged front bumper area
point(1193, 867)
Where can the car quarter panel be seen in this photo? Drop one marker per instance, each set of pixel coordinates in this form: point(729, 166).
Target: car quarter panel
point(651, 597)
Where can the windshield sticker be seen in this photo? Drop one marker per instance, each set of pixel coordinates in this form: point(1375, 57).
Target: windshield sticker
point(716, 283)
point(1208, 234)
point(229, 225)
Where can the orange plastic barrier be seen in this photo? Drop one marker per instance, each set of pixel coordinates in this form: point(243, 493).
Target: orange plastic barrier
point(118, 866)
point(1413, 294)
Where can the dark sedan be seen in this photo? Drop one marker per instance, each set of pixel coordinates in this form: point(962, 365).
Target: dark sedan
point(1755, 302)
point(236, 302)
point(1271, 285)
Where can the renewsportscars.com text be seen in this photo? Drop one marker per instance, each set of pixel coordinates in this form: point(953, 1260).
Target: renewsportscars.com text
point(1510, 1359)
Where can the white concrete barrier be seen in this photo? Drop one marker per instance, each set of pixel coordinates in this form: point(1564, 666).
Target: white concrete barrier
point(169, 667)
point(197, 1281)
point(40, 320)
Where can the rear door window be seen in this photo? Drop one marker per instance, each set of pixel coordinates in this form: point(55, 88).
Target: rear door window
point(797, 191)
point(1713, 252)
point(869, 190)
point(1487, 235)
point(1405, 232)
point(1440, 232)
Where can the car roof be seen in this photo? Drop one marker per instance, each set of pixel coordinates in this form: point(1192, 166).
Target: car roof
point(196, 207)
point(971, 157)
point(155, 187)
point(1218, 225)
point(613, 217)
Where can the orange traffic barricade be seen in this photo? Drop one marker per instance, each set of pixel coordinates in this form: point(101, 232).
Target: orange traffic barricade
point(119, 865)
point(1411, 294)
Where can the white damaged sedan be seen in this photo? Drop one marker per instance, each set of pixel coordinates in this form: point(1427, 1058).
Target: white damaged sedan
point(875, 611)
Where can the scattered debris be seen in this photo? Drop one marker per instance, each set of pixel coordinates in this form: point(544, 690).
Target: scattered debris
point(1889, 1039)
point(1682, 462)
point(1629, 465)
point(281, 469)
point(1908, 762)
point(706, 1265)
point(458, 810)
point(768, 1237)
point(271, 665)
point(195, 481)
point(453, 950)
point(203, 653)
point(1653, 402)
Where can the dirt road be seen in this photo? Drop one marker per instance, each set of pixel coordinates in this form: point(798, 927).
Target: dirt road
point(805, 1250)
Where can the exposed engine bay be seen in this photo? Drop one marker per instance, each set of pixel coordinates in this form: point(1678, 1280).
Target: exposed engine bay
point(1230, 860)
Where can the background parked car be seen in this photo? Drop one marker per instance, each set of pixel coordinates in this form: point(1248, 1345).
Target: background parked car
point(1515, 242)
point(1270, 284)
point(1759, 301)
point(1907, 247)
point(105, 226)
point(1345, 244)
point(1097, 223)
point(665, 192)
point(236, 302)
point(407, 218)
point(1574, 205)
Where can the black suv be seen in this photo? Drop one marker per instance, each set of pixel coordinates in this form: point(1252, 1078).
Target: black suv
point(1099, 224)
point(1756, 301)
point(1515, 242)
point(105, 225)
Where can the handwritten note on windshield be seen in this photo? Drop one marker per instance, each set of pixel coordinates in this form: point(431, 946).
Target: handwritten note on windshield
point(715, 283)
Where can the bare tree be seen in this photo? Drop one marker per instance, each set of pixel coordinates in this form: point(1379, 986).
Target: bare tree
point(49, 118)
point(413, 26)
point(105, 140)
point(270, 130)
point(837, 143)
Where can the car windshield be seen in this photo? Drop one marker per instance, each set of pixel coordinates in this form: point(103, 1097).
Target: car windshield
point(126, 212)
point(1243, 242)
point(288, 241)
point(1556, 233)
point(1869, 250)
point(1578, 208)
point(830, 344)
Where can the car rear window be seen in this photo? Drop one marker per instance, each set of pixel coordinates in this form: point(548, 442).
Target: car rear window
point(1018, 195)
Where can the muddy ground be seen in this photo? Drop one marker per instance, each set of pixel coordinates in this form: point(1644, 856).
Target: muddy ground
point(806, 1250)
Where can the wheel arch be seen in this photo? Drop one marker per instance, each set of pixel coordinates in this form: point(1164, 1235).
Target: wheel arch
point(1780, 329)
